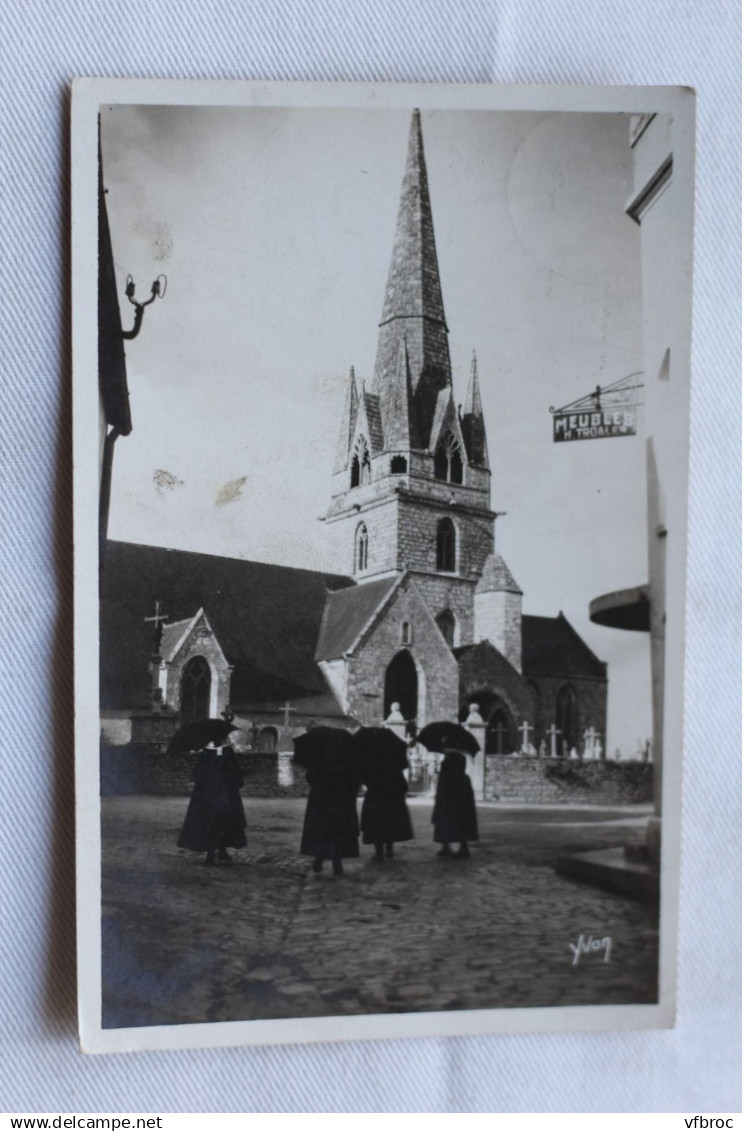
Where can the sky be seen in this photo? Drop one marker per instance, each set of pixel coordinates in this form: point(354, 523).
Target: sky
point(274, 227)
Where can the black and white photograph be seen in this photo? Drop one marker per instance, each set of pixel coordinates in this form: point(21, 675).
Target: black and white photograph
point(381, 418)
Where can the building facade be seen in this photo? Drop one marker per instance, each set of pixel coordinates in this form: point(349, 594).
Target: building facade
point(424, 617)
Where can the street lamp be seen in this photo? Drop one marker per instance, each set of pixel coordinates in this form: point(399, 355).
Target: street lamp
point(157, 290)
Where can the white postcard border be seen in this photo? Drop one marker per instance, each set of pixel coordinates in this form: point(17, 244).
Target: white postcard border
point(88, 95)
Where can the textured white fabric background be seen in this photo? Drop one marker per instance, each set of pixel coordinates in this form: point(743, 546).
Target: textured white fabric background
point(45, 44)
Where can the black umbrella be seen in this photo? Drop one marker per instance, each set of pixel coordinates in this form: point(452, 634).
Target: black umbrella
point(196, 735)
point(329, 745)
point(379, 748)
point(448, 736)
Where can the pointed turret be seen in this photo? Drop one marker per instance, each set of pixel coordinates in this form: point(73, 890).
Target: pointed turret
point(348, 423)
point(398, 410)
point(498, 610)
point(413, 305)
point(472, 423)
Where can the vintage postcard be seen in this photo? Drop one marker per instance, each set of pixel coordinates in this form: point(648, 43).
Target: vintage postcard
point(381, 401)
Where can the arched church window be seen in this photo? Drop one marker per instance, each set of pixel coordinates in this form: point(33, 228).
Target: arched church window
point(398, 464)
point(361, 470)
point(446, 623)
point(361, 548)
point(406, 633)
point(196, 685)
point(501, 732)
point(502, 735)
point(448, 462)
point(268, 740)
point(567, 718)
point(446, 545)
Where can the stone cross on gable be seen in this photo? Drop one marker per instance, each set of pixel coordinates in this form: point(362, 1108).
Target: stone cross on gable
point(525, 729)
point(158, 620)
point(553, 733)
point(287, 711)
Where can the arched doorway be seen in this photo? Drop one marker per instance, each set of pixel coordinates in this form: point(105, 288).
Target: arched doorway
point(268, 740)
point(196, 686)
point(401, 685)
point(568, 719)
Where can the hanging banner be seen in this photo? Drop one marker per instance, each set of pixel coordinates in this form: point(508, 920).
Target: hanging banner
point(593, 425)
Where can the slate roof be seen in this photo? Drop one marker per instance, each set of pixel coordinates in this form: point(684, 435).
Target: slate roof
point(347, 611)
point(480, 650)
point(440, 412)
point(497, 577)
point(374, 421)
point(552, 646)
point(413, 287)
point(413, 307)
point(266, 618)
point(397, 407)
point(172, 634)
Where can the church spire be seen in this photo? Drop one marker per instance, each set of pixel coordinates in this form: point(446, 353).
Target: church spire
point(413, 288)
point(413, 305)
point(348, 422)
point(472, 423)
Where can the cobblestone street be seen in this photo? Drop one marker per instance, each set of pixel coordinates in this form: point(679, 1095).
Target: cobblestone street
point(265, 938)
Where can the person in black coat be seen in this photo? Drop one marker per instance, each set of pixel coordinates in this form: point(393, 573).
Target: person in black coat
point(215, 820)
point(454, 816)
point(331, 827)
point(385, 816)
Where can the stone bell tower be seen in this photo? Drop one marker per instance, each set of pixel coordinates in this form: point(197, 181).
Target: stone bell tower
point(411, 481)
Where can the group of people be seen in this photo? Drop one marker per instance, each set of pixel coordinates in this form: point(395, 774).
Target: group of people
point(337, 765)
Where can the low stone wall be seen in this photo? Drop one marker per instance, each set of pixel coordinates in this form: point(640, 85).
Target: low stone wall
point(144, 768)
point(272, 775)
point(558, 781)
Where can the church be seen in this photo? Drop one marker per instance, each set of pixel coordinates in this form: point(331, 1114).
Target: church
point(422, 618)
